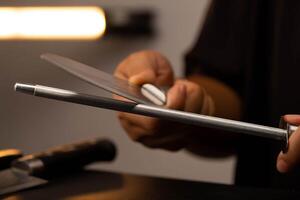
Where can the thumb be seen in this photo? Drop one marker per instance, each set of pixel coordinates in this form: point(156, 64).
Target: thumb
point(146, 76)
point(176, 97)
point(287, 161)
point(292, 119)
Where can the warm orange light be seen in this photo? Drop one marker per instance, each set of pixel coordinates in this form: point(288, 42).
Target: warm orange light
point(51, 23)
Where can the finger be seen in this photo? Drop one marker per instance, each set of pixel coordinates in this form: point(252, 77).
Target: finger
point(148, 124)
point(139, 62)
point(151, 138)
point(287, 161)
point(134, 132)
point(195, 98)
point(170, 142)
point(131, 65)
point(293, 119)
point(160, 65)
point(164, 72)
point(120, 75)
point(149, 75)
point(146, 76)
point(176, 97)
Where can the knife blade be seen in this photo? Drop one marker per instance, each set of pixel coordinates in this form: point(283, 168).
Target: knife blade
point(146, 94)
point(12, 180)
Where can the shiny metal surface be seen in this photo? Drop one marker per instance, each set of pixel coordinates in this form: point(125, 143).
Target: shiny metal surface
point(13, 180)
point(291, 129)
point(99, 78)
point(163, 113)
point(213, 122)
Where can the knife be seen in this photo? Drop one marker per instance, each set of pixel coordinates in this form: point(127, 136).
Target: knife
point(36, 169)
point(146, 94)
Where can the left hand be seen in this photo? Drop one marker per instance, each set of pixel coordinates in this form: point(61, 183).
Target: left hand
point(287, 161)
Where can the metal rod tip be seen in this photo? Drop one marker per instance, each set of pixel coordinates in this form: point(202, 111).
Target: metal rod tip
point(25, 88)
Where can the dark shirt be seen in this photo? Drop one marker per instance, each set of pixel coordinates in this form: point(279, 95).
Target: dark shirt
point(253, 46)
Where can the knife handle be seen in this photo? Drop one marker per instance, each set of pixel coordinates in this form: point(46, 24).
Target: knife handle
point(66, 158)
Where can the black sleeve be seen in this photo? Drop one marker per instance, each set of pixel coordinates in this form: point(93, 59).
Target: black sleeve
point(219, 49)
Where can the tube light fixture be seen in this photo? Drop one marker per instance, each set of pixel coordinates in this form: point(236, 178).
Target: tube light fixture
point(51, 23)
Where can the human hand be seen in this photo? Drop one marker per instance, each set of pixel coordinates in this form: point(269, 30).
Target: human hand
point(287, 161)
point(151, 67)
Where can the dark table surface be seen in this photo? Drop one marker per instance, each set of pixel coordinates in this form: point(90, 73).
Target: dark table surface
point(92, 184)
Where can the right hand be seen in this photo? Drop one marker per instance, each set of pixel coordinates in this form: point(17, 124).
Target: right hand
point(151, 67)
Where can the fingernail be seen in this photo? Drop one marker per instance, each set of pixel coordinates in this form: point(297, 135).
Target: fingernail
point(282, 166)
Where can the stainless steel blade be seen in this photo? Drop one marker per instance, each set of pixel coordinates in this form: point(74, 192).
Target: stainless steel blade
point(12, 181)
point(98, 78)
